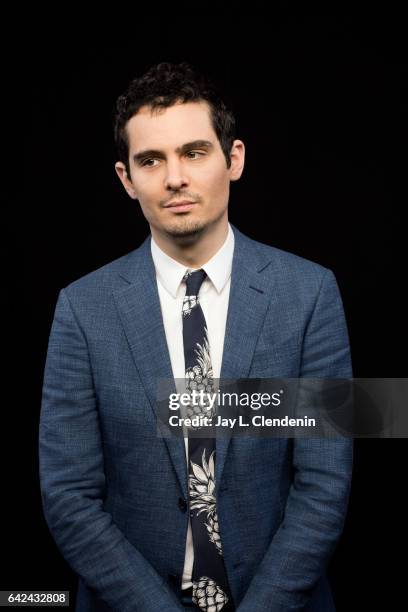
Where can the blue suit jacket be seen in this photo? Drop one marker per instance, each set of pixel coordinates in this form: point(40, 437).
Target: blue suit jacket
point(113, 491)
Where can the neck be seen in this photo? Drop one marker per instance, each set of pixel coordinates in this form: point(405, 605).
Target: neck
point(195, 251)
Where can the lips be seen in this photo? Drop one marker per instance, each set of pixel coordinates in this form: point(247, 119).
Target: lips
point(181, 203)
point(180, 207)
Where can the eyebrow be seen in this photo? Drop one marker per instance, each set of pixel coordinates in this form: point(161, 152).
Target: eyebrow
point(195, 144)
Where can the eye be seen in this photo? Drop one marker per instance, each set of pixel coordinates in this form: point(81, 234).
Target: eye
point(194, 153)
point(145, 162)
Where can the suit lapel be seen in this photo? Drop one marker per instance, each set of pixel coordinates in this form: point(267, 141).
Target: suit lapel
point(140, 311)
point(139, 308)
point(248, 302)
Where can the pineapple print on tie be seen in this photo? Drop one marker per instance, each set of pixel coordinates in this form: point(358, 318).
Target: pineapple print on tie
point(199, 373)
point(210, 584)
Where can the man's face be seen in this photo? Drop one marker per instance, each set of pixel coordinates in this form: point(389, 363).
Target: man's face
point(174, 156)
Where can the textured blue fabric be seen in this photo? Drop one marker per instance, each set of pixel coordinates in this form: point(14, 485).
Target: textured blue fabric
point(114, 492)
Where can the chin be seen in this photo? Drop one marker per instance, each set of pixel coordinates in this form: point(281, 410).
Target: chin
point(185, 228)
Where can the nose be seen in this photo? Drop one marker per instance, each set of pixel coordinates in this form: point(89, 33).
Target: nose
point(175, 177)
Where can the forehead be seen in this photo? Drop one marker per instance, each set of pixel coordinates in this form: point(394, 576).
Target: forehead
point(170, 127)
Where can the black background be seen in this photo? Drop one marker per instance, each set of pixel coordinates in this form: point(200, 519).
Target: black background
point(320, 97)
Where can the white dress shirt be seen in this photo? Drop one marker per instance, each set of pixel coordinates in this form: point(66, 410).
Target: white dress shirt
point(214, 296)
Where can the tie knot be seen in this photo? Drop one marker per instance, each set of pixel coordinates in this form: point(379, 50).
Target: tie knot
point(194, 280)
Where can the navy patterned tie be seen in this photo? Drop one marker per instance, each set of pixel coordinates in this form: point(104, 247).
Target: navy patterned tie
point(210, 584)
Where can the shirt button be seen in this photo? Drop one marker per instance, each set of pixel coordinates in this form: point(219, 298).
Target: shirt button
point(182, 504)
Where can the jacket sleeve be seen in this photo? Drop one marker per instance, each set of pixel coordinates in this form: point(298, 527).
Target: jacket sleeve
point(73, 484)
point(317, 501)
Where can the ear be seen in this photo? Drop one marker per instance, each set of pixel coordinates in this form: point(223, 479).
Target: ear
point(125, 180)
point(237, 155)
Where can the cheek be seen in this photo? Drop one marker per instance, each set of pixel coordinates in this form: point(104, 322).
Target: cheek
point(145, 184)
point(147, 208)
point(147, 197)
point(220, 190)
point(143, 191)
point(215, 184)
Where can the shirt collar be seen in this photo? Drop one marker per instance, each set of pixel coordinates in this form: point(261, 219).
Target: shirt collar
point(218, 269)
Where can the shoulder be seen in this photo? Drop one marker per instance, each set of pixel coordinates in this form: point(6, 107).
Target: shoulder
point(281, 266)
point(112, 276)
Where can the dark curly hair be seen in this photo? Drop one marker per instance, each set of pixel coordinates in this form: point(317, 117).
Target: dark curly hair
point(164, 85)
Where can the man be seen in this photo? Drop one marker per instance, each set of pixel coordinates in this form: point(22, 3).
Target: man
point(245, 524)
